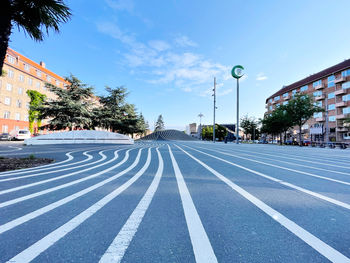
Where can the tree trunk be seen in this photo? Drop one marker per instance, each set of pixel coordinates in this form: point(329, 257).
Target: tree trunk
point(5, 30)
point(300, 142)
point(280, 138)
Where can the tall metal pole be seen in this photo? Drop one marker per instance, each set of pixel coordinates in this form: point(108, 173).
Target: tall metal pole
point(214, 108)
point(237, 134)
point(327, 131)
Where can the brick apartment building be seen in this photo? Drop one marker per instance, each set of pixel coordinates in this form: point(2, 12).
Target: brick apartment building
point(331, 90)
point(22, 74)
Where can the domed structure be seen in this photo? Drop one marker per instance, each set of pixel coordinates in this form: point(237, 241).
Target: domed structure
point(168, 135)
point(80, 136)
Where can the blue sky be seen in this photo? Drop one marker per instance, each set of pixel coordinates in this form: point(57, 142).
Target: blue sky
point(166, 53)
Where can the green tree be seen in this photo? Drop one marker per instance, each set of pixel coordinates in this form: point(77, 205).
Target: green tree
point(159, 124)
point(72, 108)
point(141, 125)
point(300, 109)
point(249, 126)
point(32, 16)
point(36, 100)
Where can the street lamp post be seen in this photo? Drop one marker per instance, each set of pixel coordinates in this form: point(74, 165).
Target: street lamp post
point(214, 109)
point(200, 115)
point(237, 73)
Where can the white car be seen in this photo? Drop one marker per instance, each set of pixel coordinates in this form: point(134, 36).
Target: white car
point(22, 135)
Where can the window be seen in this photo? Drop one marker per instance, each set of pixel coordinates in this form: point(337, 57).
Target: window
point(30, 81)
point(27, 105)
point(318, 103)
point(294, 92)
point(317, 83)
point(5, 128)
point(285, 102)
point(318, 115)
point(285, 95)
point(20, 91)
point(19, 104)
point(331, 118)
point(305, 127)
point(37, 85)
point(58, 82)
point(21, 78)
point(346, 97)
point(304, 88)
point(38, 73)
point(345, 73)
point(346, 85)
point(330, 80)
point(270, 100)
point(7, 101)
point(346, 110)
point(17, 128)
point(48, 78)
point(8, 87)
point(270, 108)
point(26, 67)
point(317, 93)
point(6, 115)
point(331, 107)
point(276, 98)
point(17, 116)
point(11, 59)
point(11, 74)
point(331, 95)
point(26, 117)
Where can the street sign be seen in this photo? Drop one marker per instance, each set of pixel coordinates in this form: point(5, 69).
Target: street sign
point(237, 71)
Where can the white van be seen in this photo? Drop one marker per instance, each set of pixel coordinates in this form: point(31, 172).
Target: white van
point(22, 135)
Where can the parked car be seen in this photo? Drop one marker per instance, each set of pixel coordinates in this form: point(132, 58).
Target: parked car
point(291, 142)
point(22, 135)
point(262, 141)
point(5, 136)
point(306, 142)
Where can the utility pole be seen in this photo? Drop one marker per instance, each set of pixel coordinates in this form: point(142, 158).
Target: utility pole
point(200, 115)
point(214, 109)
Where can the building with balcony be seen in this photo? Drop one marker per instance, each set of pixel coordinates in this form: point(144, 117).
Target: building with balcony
point(22, 74)
point(330, 89)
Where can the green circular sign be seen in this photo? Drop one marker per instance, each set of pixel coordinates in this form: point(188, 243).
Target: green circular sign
point(237, 71)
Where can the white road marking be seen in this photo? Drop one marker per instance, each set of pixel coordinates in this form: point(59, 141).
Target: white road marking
point(321, 247)
point(40, 246)
point(57, 177)
point(70, 157)
point(120, 244)
point(49, 190)
point(280, 167)
point(202, 248)
point(323, 197)
point(25, 218)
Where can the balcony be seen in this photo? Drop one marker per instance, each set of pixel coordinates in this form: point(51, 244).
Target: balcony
point(319, 87)
point(340, 117)
point(286, 98)
point(341, 104)
point(339, 80)
point(339, 92)
point(342, 129)
point(320, 119)
point(274, 102)
point(322, 97)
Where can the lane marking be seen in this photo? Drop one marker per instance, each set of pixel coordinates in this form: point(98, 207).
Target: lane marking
point(49, 190)
point(120, 244)
point(25, 218)
point(280, 167)
point(202, 248)
point(40, 246)
point(323, 197)
point(321, 247)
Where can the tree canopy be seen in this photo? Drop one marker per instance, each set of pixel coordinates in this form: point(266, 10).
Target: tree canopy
point(36, 100)
point(159, 124)
point(34, 17)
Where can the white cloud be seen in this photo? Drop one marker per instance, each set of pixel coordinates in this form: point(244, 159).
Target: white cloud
point(163, 64)
point(184, 41)
point(261, 76)
point(159, 45)
point(127, 5)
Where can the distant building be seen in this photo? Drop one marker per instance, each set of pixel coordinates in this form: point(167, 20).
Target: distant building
point(22, 74)
point(331, 90)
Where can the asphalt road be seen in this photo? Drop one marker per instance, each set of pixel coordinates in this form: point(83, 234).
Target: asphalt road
point(176, 202)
